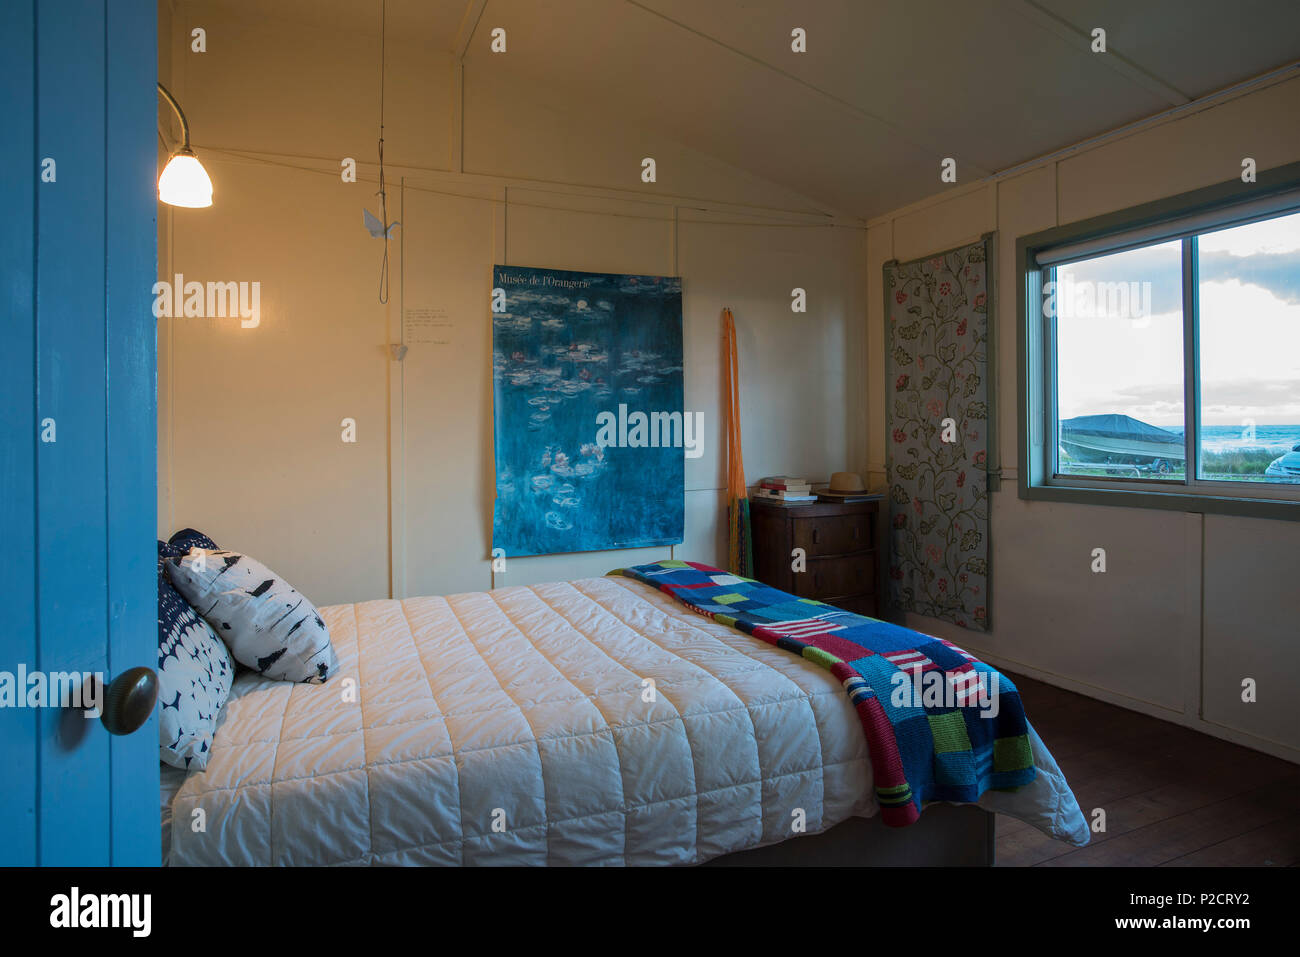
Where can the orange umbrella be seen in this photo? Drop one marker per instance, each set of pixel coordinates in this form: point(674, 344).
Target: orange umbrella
point(740, 545)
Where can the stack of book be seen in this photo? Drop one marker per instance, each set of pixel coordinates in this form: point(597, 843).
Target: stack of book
point(783, 488)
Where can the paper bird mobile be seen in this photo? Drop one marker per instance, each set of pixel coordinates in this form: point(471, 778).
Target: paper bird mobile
point(376, 226)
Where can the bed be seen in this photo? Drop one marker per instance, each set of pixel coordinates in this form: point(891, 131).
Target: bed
point(589, 722)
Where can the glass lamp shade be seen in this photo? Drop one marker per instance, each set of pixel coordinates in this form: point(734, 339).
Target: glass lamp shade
point(184, 182)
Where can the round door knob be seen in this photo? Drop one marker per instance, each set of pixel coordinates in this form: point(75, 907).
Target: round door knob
point(129, 699)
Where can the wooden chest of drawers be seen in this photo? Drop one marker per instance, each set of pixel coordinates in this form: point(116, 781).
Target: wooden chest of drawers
point(839, 544)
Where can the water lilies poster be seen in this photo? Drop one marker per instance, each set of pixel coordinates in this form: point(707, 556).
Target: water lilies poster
point(580, 363)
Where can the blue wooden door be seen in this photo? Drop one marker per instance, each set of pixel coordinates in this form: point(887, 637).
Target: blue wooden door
point(78, 393)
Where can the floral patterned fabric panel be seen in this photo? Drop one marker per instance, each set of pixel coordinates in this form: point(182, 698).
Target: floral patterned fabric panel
point(938, 436)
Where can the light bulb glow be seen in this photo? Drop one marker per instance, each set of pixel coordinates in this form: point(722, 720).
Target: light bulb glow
point(184, 182)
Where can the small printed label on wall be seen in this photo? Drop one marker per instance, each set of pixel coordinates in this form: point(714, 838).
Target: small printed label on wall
point(427, 326)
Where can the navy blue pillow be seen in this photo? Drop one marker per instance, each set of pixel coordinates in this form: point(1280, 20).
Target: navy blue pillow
point(195, 671)
point(188, 538)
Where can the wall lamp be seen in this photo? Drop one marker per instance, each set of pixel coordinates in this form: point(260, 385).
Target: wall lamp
point(184, 181)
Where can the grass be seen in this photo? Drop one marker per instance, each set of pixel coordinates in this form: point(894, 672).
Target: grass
point(1242, 465)
point(1237, 462)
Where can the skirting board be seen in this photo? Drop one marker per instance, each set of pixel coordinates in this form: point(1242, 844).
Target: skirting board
point(946, 835)
point(1192, 721)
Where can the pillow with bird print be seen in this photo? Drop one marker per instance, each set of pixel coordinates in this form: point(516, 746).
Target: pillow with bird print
point(268, 625)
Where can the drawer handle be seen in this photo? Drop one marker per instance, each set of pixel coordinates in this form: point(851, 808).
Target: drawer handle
point(815, 532)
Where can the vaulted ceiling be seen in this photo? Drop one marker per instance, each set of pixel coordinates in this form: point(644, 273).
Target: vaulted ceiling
point(886, 90)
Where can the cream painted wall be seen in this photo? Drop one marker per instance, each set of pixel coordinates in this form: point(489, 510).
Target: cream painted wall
point(250, 437)
point(1189, 605)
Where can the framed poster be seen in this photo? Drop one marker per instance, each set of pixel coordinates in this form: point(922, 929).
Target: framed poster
point(589, 429)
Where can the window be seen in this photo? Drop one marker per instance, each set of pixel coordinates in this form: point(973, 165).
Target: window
point(1119, 364)
point(1162, 359)
point(1248, 293)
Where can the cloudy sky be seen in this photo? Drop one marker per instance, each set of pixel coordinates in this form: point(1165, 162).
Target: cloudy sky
point(1250, 332)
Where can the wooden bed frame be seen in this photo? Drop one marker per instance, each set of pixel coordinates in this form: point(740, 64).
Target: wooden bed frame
point(947, 835)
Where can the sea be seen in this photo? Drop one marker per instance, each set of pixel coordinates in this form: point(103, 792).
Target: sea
point(1232, 438)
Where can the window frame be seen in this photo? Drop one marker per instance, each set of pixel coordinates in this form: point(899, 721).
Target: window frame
point(1180, 217)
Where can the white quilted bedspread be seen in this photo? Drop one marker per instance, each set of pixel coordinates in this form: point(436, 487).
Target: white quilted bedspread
point(512, 727)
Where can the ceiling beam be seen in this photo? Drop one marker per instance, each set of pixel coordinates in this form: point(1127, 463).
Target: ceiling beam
point(911, 139)
point(1116, 61)
point(468, 24)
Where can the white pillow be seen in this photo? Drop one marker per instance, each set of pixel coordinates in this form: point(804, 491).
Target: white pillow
point(267, 625)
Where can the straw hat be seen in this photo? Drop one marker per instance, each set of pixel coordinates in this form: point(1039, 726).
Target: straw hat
point(846, 483)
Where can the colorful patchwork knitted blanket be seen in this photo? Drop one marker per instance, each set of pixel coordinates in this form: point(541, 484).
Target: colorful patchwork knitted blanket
point(940, 725)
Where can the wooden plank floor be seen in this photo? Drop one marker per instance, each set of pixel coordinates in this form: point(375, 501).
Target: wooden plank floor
point(1172, 796)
